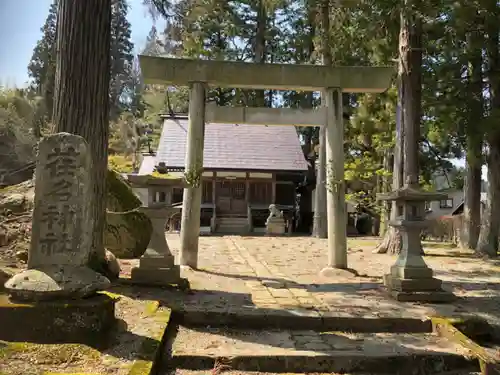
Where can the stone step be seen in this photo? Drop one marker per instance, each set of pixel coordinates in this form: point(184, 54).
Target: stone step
point(232, 225)
point(250, 317)
point(233, 221)
point(311, 352)
point(203, 372)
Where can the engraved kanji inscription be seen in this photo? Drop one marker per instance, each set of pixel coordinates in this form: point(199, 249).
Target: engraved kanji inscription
point(50, 216)
point(52, 243)
point(61, 220)
point(48, 244)
point(61, 189)
point(62, 162)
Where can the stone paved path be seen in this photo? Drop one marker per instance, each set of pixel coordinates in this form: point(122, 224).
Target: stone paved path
point(282, 273)
point(212, 341)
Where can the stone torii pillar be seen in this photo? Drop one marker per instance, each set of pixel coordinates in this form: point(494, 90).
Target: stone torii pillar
point(335, 182)
point(335, 80)
point(191, 199)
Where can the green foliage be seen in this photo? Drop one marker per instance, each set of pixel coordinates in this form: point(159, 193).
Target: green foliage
point(18, 118)
point(454, 110)
point(124, 81)
point(42, 67)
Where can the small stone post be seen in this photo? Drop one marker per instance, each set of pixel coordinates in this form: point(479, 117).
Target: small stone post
point(335, 183)
point(61, 230)
point(410, 279)
point(191, 202)
point(156, 266)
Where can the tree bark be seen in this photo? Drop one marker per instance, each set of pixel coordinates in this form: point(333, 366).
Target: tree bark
point(320, 225)
point(391, 243)
point(81, 104)
point(490, 228)
point(488, 239)
point(472, 203)
point(385, 188)
point(411, 80)
point(260, 47)
point(409, 95)
point(474, 158)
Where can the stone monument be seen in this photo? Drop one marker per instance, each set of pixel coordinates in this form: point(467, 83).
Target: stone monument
point(410, 279)
point(156, 266)
point(60, 238)
point(275, 223)
point(58, 278)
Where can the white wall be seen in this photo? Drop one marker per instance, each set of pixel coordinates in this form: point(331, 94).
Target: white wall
point(436, 210)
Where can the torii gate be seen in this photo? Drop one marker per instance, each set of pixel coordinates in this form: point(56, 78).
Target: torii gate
point(332, 81)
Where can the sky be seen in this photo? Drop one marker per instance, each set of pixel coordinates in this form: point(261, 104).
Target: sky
point(20, 23)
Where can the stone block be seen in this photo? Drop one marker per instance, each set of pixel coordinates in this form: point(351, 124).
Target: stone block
point(156, 276)
point(275, 226)
point(86, 321)
point(404, 272)
point(411, 285)
point(155, 262)
point(441, 296)
point(417, 290)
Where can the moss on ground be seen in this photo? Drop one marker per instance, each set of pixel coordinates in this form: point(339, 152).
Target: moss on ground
point(149, 348)
point(43, 356)
point(48, 354)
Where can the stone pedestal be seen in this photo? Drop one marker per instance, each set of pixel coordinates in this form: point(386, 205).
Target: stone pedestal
point(275, 225)
point(410, 279)
point(86, 321)
point(156, 266)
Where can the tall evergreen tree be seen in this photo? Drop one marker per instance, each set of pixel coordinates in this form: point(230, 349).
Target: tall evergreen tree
point(82, 90)
point(122, 57)
point(42, 67)
point(152, 47)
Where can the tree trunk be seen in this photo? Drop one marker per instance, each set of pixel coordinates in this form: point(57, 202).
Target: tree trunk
point(391, 242)
point(260, 47)
point(472, 203)
point(410, 73)
point(81, 104)
point(305, 208)
point(409, 94)
point(320, 225)
point(490, 228)
point(386, 187)
point(488, 239)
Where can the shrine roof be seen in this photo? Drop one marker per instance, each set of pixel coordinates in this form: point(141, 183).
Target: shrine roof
point(234, 146)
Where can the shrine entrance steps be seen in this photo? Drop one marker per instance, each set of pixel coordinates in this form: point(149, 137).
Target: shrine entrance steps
point(201, 343)
point(232, 225)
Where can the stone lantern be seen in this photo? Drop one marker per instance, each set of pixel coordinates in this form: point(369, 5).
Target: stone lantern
point(411, 279)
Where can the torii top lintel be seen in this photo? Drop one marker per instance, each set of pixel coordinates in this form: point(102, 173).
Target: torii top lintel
point(172, 71)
